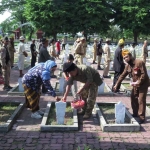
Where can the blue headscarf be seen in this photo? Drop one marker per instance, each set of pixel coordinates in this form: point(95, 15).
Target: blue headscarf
point(47, 66)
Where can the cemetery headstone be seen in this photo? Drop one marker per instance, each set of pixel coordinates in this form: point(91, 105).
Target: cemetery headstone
point(21, 89)
point(119, 113)
point(60, 112)
point(101, 88)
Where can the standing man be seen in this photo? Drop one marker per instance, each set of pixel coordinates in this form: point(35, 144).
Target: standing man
point(137, 71)
point(11, 49)
point(94, 50)
point(145, 51)
point(132, 50)
point(99, 53)
point(22, 54)
point(91, 79)
point(33, 53)
point(118, 64)
point(6, 65)
point(79, 51)
point(84, 47)
point(43, 53)
point(107, 59)
point(63, 43)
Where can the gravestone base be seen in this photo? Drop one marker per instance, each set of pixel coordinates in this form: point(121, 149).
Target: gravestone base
point(131, 127)
point(15, 91)
point(45, 127)
point(7, 126)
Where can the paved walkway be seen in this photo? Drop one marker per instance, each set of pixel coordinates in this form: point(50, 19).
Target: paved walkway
point(25, 134)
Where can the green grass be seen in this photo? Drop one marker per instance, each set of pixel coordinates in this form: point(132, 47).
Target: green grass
point(127, 86)
point(108, 111)
point(68, 116)
point(6, 111)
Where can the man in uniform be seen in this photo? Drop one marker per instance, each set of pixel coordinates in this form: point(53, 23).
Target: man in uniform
point(91, 79)
point(11, 49)
point(99, 53)
point(107, 59)
point(79, 51)
point(6, 65)
point(118, 63)
point(137, 71)
point(94, 50)
point(145, 51)
point(132, 50)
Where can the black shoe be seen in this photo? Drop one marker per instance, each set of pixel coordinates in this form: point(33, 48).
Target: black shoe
point(53, 76)
point(10, 87)
point(6, 89)
point(141, 121)
point(106, 76)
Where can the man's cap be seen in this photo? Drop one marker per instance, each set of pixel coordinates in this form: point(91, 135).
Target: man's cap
point(95, 39)
point(70, 57)
point(43, 40)
point(121, 42)
point(21, 38)
point(108, 40)
point(125, 52)
point(67, 67)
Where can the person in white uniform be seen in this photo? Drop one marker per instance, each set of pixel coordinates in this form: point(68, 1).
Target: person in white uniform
point(22, 54)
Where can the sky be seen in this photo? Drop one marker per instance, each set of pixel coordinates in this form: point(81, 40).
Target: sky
point(4, 16)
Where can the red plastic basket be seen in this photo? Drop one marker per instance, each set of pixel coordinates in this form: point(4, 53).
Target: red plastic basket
point(1, 80)
point(78, 104)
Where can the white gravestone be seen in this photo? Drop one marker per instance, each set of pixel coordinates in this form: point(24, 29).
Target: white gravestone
point(21, 89)
point(84, 61)
point(148, 72)
point(61, 84)
point(88, 63)
point(101, 88)
point(60, 111)
point(119, 113)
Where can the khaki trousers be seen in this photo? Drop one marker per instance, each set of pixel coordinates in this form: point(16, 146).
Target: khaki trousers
point(12, 58)
point(94, 56)
point(6, 74)
point(106, 66)
point(79, 59)
point(138, 102)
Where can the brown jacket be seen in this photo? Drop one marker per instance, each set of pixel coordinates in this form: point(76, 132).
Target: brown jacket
point(141, 76)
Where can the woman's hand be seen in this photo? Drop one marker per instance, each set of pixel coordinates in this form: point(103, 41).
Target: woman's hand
point(64, 99)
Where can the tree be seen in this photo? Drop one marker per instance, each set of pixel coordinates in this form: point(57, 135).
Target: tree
point(132, 15)
point(68, 16)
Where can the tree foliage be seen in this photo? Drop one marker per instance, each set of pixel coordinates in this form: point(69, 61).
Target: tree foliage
point(68, 16)
point(132, 15)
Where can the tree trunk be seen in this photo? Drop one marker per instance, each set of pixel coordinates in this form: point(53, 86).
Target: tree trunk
point(55, 36)
point(135, 34)
point(30, 36)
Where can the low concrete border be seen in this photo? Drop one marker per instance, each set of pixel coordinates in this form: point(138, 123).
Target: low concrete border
point(134, 126)
point(7, 126)
point(45, 127)
point(147, 108)
point(107, 93)
point(13, 93)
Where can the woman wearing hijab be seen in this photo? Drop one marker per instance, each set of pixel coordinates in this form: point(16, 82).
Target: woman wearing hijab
point(32, 81)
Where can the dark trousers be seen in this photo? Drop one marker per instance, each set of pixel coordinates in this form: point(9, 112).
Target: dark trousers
point(63, 46)
point(33, 61)
point(138, 102)
point(116, 77)
point(44, 90)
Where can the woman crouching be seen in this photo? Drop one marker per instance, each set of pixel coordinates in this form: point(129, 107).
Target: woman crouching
point(32, 81)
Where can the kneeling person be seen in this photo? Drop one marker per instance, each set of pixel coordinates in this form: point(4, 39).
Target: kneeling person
point(88, 92)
